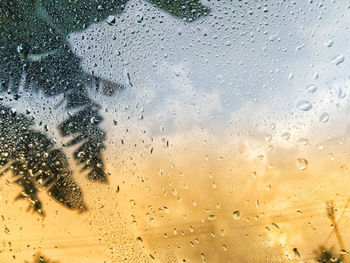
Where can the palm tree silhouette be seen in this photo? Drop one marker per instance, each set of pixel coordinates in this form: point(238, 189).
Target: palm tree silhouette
point(325, 255)
point(34, 49)
point(41, 259)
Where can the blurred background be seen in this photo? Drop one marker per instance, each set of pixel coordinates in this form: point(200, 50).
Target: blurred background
point(226, 140)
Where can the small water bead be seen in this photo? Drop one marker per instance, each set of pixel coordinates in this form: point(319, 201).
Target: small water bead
point(304, 105)
point(269, 148)
point(324, 117)
point(286, 136)
point(311, 88)
point(344, 169)
point(268, 138)
point(236, 215)
point(211, 217)
point(260, 157)
point(303, 141)
point(341, 93)
point(329, 43)
point(222, 232)
point(338, 60)
point(254, 174)
point(344, 252)
point(302, 163)
point(164, 209)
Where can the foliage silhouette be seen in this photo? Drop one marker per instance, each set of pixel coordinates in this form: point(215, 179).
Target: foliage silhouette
point(34, 47)
point(41, 259)
point(325, 255)
point(21, 151)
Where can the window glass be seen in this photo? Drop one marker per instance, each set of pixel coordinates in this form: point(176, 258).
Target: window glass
point(174, 131)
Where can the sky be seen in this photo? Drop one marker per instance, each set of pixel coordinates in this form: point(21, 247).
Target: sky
point(253, 102)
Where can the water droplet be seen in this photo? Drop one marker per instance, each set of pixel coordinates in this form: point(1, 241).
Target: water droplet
point(128, 79)
point(254, 174)
point(338, 60)
point(344, 169)
point(174, 191)
point(236, 215)
point(341, 93)
point(296, 252)
point(311, 88)
point(111, 20)
point(285, 136)
point(211, 217)
point(268, 138)
point(324, 117)
point(302, 163)
point(344, 252)
point(164, 209)
point(275, 225)
point(333, 259)
point(303, 141)
point(329, 43)
point(304, 105)
point(224, 247)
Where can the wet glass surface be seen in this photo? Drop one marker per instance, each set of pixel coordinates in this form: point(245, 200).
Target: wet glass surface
point(174, 131)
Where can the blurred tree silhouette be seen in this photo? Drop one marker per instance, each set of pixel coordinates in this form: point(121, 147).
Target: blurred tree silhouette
point(41, 259)
point(34, 47)
point(325, 255)
point(34, 162)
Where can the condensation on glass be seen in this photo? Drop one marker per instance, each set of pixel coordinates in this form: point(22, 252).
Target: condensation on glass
point(174, 131)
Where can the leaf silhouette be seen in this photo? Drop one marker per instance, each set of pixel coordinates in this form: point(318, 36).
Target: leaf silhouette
point(186, 9)
point(35, 163)
point(327, 255)
point(34, 49)
point(38, 258)
point(84, 125)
